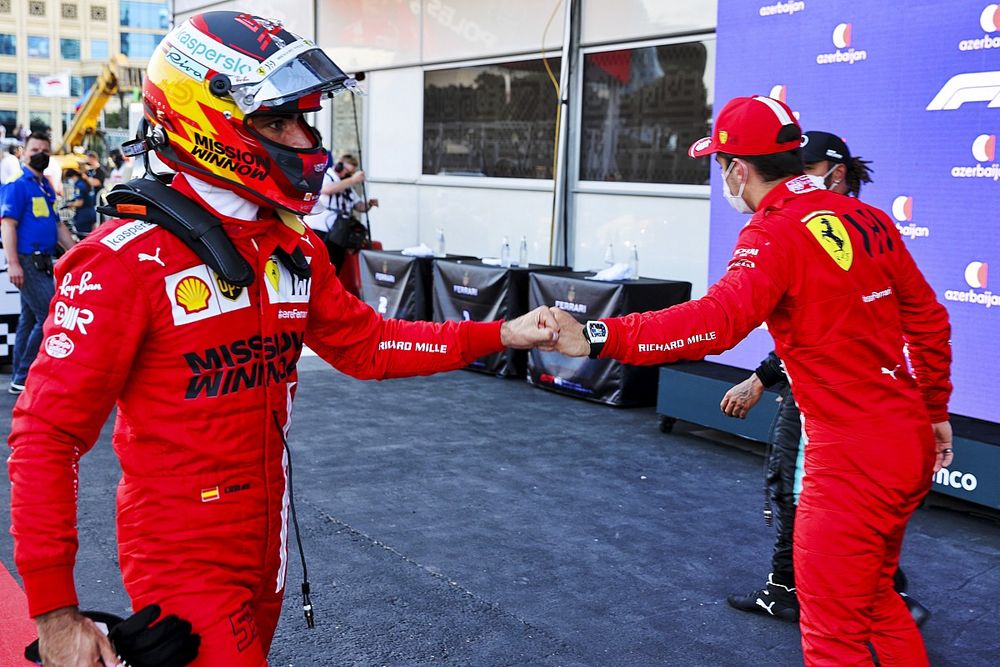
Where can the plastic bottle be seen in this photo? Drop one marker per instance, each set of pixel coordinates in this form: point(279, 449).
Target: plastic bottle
point(634, 262)
point(609, 255)
point(522, 252)
point(505, 253)
point(439, 250)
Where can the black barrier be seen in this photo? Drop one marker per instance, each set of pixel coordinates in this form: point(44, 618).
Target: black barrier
point(471, 290)
point(398, 286)
point(691, 391)
point(601, 380)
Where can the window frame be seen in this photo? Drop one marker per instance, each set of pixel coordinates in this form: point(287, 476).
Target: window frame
point(128, 27)
point(578, 185)
point(107, 48)
point(16, 83)
point(79, 48)
point(157, 36)
point(488, 182)
point(13, 41)
point(27, 44)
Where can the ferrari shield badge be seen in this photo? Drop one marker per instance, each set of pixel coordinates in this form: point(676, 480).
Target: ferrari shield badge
point(832, 236)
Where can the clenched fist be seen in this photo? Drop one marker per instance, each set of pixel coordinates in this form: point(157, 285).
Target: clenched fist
point(538, 328)
point(571, 341)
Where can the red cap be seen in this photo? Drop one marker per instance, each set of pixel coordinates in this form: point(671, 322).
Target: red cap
point(755, 125)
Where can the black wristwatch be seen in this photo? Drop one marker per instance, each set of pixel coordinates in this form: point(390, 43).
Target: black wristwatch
point(596, 333)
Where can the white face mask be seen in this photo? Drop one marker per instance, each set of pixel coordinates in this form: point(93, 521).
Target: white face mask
point(735, 200)
point(820, 181)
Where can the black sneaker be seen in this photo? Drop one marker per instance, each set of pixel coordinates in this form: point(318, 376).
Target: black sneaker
point(919, 612)
point(15, 388)
point(774, 600)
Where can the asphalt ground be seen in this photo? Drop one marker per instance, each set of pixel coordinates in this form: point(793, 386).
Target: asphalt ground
point(468, 520)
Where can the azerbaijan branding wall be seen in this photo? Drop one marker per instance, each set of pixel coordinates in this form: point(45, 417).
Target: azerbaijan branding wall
point(917, 92)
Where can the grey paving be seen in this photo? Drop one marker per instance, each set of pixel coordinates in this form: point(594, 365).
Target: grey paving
point(467, 520)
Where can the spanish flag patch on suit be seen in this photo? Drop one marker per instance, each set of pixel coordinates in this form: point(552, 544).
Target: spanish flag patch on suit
point(208, 495)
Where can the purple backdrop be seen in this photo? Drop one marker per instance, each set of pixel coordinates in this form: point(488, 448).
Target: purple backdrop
point(884, 80)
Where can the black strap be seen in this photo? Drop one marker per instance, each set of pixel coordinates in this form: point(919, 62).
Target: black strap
point(201, 231)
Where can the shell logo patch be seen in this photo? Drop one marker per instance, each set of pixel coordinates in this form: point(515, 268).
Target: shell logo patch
point(192, 295)
point(197, 293)
point(832, 236)
point(723, 136)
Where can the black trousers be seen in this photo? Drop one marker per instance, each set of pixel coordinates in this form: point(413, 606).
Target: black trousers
point(781, 466)
point(781, 485)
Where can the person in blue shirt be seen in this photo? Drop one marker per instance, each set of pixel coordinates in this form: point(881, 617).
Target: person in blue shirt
point(31, 233)
point(83, 200)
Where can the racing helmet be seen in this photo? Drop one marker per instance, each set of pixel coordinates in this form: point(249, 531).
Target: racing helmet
point(206, 82)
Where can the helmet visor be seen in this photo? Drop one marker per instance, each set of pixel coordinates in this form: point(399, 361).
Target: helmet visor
point(308, 72)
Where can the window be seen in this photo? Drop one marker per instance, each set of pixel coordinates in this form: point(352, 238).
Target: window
point(99, 49)
point(38, 47)
point(8, 119)
point(139, 45)
point(490, 120)
point(8, 82)
point(34, 84)
point(69, 11)
point(144, 15)
point(75, 86)
point(40, 121)
point(642, 108)
point(8, 45)
point(98, 13)
point(69, 49)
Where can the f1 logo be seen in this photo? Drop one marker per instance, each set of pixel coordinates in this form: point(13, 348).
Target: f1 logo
point(969, 87)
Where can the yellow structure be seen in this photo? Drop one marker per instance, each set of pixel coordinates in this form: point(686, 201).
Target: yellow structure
point(74, 38)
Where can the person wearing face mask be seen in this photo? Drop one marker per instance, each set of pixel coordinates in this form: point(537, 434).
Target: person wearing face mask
point(828, 162)
point(842, 297)
point(83, 203)
point(31, 233)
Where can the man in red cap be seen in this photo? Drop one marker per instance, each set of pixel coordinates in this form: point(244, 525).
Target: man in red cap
point(841, 296)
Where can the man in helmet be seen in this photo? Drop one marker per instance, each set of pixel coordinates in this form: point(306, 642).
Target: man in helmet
point(201, 366)
point(841, 295)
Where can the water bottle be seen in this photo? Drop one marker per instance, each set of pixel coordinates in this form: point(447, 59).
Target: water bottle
point(439, 250)
point(634, 262)
point(609, 255)
point(522, 252)
point(505, 253)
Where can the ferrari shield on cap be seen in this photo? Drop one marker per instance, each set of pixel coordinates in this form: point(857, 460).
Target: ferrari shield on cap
point(755, 125)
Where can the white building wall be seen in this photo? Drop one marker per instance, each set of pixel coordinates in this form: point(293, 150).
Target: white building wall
point(394, 40)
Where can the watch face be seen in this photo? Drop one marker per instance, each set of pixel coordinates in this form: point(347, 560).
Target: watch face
point(597, 331)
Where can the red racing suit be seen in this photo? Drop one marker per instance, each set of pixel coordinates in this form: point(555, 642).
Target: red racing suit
point(202, 372)
point(841, 295)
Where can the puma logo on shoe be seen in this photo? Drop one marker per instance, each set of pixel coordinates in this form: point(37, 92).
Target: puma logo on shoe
point(143, 257)
point(767, 607)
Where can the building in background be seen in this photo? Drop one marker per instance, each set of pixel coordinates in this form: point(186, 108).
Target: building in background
point(458, 129)
point(52, 50)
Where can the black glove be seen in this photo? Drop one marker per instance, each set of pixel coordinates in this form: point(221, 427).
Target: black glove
point(169, 643)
